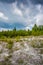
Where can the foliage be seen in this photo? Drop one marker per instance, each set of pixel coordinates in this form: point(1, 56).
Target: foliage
point(36, 31)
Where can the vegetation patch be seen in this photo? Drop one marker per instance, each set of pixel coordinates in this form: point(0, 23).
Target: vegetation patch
point(41, 51)
point(10, 44)
point(16, 48)
point(20, 61)
point(36, 44)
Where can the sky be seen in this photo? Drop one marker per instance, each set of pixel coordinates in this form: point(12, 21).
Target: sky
point(22, 14)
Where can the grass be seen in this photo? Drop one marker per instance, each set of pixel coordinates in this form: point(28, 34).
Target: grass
point(20, 61)
point(42, 45)
point(36, 44)
point(16, 48)
point(5, 39)
point(18, 39)
point(22, 44)
point(0, 51)
point(10, 44)
point(41, 51)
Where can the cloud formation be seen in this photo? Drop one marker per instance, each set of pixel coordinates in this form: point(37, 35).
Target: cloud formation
point(16, 10)
point(2, 16)
point(37, 1)
point(7, 1)
point(25, 12)
point(23, 1)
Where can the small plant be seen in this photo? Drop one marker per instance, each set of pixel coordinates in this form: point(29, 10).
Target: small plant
point(41, 51)
point(42, 45)
point(17, 38)
point(20, 61)
point(36, 44)
point(22, 44)
point(0, 51)
point(16, 48)
point(10, 44)
point(33, 45)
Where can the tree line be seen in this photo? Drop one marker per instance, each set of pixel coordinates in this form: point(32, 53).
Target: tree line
point(36, 31)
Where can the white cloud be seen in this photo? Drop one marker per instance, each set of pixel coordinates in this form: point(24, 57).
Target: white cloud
point(4, 29)
point(2, 16)
point(39, 19)
point(26, 28)
point(29, 27)
point(16, 10)
point(28, 15)
point(38, 7)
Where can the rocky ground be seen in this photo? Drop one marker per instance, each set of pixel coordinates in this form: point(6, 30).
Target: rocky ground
point(26, 51)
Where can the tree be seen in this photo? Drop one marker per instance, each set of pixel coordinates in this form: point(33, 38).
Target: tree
point(14, 29)
point(35, 28)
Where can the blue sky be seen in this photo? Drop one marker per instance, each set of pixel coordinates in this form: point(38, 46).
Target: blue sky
point(22, 14)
